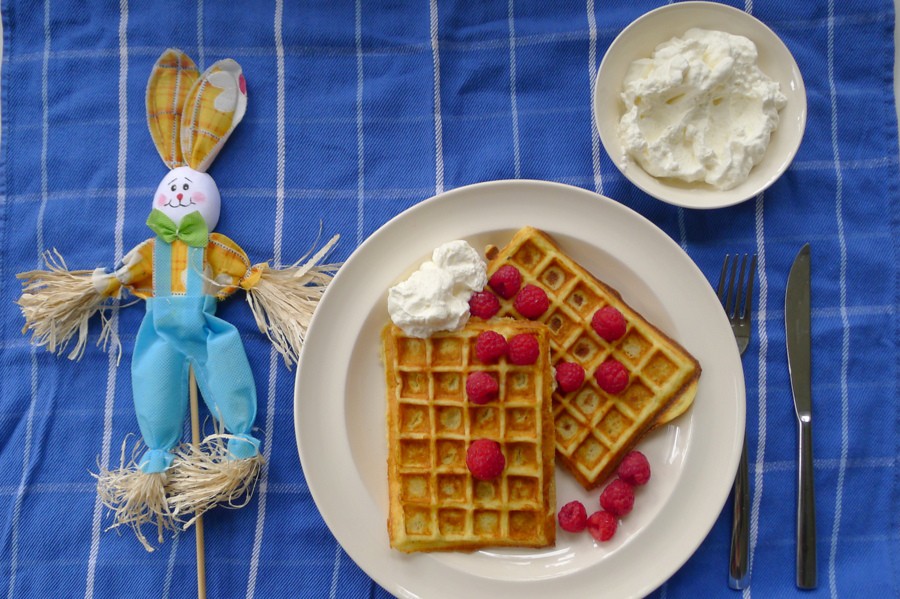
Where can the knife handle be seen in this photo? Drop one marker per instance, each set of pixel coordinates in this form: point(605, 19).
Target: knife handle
point(739, 557)
point(806, 510)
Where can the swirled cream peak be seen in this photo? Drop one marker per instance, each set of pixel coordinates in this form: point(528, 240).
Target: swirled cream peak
point(436, 296)
point(699, 109)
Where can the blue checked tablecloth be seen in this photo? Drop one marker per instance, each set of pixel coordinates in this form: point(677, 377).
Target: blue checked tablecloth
point(357, 112)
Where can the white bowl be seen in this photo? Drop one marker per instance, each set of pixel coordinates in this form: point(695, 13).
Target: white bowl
point(639, 39)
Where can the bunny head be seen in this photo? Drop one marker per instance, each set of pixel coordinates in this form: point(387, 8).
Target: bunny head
point(190, 117)
point(185, 190)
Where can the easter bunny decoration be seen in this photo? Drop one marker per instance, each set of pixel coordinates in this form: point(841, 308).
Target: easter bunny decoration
point(182, 273)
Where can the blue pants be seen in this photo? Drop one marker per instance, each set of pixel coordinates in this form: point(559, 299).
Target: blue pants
point(179, 332)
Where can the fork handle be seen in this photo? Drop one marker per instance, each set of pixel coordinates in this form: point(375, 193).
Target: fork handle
point(739, 557)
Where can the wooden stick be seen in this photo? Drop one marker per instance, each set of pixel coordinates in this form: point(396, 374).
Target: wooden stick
point(198, 524)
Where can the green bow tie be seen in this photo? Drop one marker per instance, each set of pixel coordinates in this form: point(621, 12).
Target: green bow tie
point(192, 230)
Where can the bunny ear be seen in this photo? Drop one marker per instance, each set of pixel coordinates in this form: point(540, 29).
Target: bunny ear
point(212, 109)
point(173, 76)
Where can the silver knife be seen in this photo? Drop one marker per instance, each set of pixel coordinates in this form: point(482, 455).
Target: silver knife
point(796, 322)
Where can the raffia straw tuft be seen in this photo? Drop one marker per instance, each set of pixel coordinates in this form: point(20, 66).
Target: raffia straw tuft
point(204, 476)
point(58, 303)
point(136, 499)
point(284, 299)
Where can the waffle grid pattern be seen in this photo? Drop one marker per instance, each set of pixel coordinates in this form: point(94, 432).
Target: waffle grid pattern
point(593, 428)
point(435, 502)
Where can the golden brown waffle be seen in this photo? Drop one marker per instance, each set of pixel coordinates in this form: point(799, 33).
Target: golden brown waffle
point(594, 430)
point(435, 503)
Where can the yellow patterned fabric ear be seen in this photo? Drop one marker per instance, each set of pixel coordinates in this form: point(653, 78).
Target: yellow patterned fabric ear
point(212, 109)
point(172, 78)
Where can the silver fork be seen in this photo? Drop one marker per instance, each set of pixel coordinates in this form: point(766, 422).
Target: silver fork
point(737, 298)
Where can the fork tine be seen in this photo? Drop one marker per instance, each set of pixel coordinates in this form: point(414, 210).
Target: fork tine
point(729, 301)
point(749, 300)
point(739, 289)
point(721, 289)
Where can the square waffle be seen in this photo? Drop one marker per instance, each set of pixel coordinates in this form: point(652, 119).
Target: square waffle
point(594, 430)
point(435, 503)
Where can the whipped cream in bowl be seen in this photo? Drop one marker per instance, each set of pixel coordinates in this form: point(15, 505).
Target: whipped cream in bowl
point(700, 105)
point(436, 296)
point(700, 109)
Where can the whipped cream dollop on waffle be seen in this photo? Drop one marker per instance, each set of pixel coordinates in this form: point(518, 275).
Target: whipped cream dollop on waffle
point(436, 296)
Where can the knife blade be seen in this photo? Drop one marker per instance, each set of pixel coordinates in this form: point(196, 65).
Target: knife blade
point(797, 303)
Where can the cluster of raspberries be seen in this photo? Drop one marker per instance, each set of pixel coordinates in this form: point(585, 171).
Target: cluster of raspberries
point(484, 457)
point(611, 376)
point(616, 500)
point(522, 349)
point(530, 301)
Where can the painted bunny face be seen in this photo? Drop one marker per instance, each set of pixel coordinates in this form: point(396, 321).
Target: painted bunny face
point(184, 190)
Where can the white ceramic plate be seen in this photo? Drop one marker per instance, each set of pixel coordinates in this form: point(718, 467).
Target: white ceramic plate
point(640, 38)
point(339, 401)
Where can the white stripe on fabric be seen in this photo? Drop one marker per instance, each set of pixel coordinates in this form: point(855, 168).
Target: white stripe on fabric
point(32, 403)
point(279, 132)
point(173, 548)
point(268, 438)
point(269, 432)
point(886, 462)
point(170, 568)
point(538, 39)
point(45, 133)
point(517, 161)
point(682, 229)
point(335, 571)
point(438, 125)
point(47, 488)
point(393, 193)
point(106, 442)
point(761, 372)
point(762, 378)
point(360, 145)
point(835, 464)
point(845, 323)
point(848, 165)
point(592, 78)
point(20, 493)
point(201, 50)
point(112, 362)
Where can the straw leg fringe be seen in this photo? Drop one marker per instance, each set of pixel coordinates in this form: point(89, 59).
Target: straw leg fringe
point(283, 300)
point(204, 476)
point(136, 499)
point(58, 303)
point(200, 478)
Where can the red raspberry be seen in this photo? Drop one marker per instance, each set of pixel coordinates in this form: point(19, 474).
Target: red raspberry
point(634, 469)
point(484, 459)
point(617, 498)
point(602, 525)
point(482, 387)
point(531, 302)
point(573, 517)
point(569, 376)
point(506, 281)
point(609, 323)
point(484, 304)
point(490, 346)
point(524, 349)
point(611, 376)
